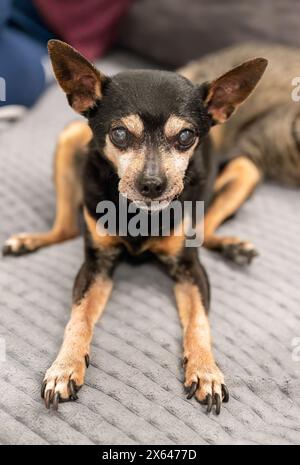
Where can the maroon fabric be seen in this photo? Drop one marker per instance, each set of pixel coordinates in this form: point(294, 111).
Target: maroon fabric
point(89, 25)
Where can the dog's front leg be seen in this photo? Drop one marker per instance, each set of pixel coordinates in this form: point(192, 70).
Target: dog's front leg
point(92, 289)
point(202, 376)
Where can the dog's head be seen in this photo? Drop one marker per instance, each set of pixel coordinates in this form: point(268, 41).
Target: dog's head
point(149, 123)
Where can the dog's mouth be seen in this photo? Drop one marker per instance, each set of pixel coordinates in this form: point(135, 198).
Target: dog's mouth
point(147, 204)
point(153, 205)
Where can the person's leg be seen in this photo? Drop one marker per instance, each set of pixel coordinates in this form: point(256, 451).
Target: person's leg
point(21, 70)
point(5, 11)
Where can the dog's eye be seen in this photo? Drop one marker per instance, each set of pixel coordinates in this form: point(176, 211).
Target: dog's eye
point(119, 136)
point(186, 137)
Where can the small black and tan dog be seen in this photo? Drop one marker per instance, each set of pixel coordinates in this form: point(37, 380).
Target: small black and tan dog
point(146, 138)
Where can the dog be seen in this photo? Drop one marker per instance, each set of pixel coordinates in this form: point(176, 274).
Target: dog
point(262, 141)
point(147, 139)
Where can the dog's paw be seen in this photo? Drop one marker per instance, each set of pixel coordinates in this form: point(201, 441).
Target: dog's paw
point(205, 381)
point(239, 252)
point(63, 380)
point(21, 244)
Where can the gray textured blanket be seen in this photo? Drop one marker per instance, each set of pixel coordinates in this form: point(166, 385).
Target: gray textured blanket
point(133, 392)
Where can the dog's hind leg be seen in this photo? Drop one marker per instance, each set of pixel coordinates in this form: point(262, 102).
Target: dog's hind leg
point(68, 162)
point(232, 187)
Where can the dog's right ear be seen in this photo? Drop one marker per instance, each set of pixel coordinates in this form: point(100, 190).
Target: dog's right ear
point(226, 93)
point(78, 78)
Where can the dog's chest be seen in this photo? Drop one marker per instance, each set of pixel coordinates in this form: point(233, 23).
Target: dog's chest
point(141, 247)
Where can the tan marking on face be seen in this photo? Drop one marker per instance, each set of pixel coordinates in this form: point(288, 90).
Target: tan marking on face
point(122, 160)
point(174, 125)
point(131, 167)
point(128, 164)
point(174, 161)
point(133, 123)
point(178, 161)
point(174, 164)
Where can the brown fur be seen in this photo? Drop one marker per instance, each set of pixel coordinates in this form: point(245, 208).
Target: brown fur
point(174, 125)
point(168, 245)
point(133, 123)
point(70, 363)
point(228, 91)
point(80, 80)
point(99, 238)
point(73, 139)
point(233, 187)
point(200, 364)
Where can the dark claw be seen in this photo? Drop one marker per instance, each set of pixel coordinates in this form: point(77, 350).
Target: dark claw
point(225, 393)
point(239, 254)
point(48, 398)
point(251, 254)
point(22, 250)
point(217, 400)
point(56, 401)
point(87, 360)
point(44, 384)
point(72, 389)
point(209, 402)
point(184, 361)
point(192, 390)
point(6, 250)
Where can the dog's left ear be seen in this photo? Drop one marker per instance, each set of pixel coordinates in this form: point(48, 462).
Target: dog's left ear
point(227, 92)
point(78, 78)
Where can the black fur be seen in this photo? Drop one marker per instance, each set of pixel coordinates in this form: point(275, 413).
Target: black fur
point(154, 96)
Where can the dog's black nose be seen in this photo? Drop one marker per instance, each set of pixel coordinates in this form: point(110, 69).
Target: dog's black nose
point(152, 186)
